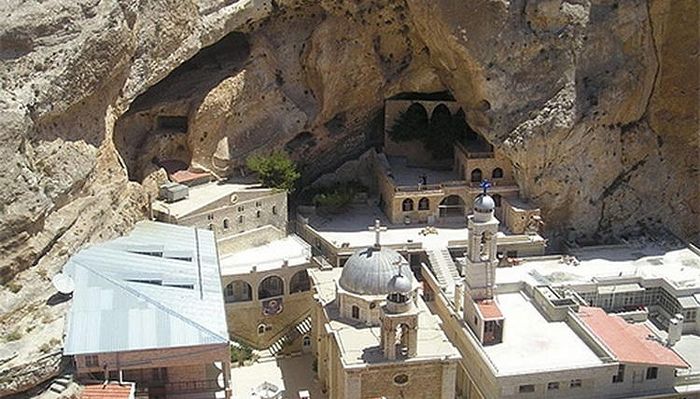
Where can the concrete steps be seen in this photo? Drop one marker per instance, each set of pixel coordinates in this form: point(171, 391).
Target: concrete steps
point(444, 268)
point(60, 384)
point(299, 330)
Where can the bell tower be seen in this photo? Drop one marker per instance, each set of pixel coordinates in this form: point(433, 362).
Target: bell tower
point(481, 262)
point(399, 319)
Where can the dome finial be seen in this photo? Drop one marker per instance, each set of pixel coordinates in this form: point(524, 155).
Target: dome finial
point(485, 185)
point(378, 229)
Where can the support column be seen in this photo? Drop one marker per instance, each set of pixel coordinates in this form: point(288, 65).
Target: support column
point(412, 341)
point(226, 370)
point(449, 375)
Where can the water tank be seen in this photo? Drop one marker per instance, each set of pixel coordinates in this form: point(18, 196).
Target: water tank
point(171, 192)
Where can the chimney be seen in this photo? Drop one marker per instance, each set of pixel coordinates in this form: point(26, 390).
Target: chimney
point(675, 329)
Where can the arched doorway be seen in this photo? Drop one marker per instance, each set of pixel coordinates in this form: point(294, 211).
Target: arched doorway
point(271, 286)
point(452, 205)
point(238, 291)
point(423, 204)
point(407, 205)
point(300, 282)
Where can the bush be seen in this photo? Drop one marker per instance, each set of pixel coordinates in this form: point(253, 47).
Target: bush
point(337, 196)
point(275, 170)
point(14, 336)
point(240, 353)
point(437, 134)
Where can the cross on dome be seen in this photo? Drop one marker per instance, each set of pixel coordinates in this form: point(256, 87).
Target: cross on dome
point(378, 229)
point(485, 185)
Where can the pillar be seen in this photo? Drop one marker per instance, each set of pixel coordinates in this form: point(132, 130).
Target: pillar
point(226, 370)
point(353, 386)
point(449, 375)
point(412, 341)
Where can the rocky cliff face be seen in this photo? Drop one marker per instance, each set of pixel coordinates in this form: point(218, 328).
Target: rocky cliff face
point(595, 103)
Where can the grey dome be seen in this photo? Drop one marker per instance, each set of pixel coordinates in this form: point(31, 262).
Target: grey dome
point(400, 284)
point(369, 271)
point(484, 203)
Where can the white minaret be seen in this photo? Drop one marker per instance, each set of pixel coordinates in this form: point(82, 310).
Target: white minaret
point(481, 260)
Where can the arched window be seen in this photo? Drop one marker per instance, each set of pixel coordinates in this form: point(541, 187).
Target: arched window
point(306, 341)
point(226, 224)
point(261, 329)
point(423, 204)
point(299, 282)
point(211, 226)
point(270, 286)
point(238, 291)
point(476, 176)
point(497, 173)
point(355, 312)
point(497, 200)
point(407, 205)
point(257, 214)
point(240, 219)
point(274, 209)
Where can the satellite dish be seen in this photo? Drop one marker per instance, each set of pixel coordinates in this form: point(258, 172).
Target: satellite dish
point(63, 284)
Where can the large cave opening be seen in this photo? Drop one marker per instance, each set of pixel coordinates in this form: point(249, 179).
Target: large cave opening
point(154, 132)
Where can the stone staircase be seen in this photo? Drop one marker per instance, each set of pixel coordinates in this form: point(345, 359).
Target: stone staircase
point(444, 268)
point(59, 385)
point(299, 330)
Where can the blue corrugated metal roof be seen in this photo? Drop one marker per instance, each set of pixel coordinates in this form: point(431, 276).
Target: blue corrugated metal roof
point(126, 299)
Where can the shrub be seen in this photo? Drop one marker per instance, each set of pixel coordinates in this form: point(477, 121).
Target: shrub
point(14, 286)
point(14, 336)
point(275, 170)
point(338, 196)
point(240, 353)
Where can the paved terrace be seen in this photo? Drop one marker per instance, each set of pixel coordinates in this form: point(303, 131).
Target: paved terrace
point(405, 175)
point(267, 257)
point(680, 267)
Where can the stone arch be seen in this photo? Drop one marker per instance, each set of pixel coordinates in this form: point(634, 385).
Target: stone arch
point(238, 291)
point(476, 176)
point(452, 205)
point(271, 286)
point(407, 205)
point(418, 110)
point(497, 173)
point(423, 204)
point(440, 111)
point(299, 282)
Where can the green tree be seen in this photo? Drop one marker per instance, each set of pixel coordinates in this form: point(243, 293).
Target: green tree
point(411, 124)
point(275, 170)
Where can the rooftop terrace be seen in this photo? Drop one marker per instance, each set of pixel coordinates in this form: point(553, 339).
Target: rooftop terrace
point(267, 257)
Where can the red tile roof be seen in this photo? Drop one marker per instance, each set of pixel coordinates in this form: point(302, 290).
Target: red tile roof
point(184, 176)
point(106, 391)
point(489, 309)
point(630, 343)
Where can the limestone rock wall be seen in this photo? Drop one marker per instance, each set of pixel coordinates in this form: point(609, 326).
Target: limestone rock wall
point(595, 103)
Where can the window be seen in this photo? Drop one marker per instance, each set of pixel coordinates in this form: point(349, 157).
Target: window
point(306, 341)
point(261, 329)
point(526, 388)
point(552, 386)
point(210, 217)
point(211, 226)
point(620, 376)
point(240, 219)
point(274, 209)
point(423, 204)
point(652, 373)
point(238, 291)
point(575, 383)
point(257, 214)
point(258, 203)
point(476, 176)
point(511, 254)
point(355, 312)
point(91, 361)
point(226, 224)
point(159, 374)
point(300, 282)
point(497, 173)
point(241, 208)
point(401, 379)
point(407, 205)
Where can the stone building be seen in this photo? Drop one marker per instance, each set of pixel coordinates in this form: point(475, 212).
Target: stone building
point(267, 293)
point(241, 214)
point(528, 332)
point(374, 335)
point(148, 308)
point(413, 188)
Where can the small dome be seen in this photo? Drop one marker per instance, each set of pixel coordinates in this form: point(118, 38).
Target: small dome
point(369, 271)
point(484, 203)
point(400, 284)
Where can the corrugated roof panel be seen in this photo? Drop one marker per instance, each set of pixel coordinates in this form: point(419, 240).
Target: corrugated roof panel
point(141, 315)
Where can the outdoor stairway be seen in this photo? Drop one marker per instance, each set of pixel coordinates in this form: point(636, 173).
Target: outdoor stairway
point(444, 268)
point(299, 330)
point(60, 384)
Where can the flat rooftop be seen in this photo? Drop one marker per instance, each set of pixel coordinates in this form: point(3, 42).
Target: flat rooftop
point(351, 227)
point(202, 195)
point(359, 344)
point(533, 344)
point(267, 257)
point(405, 175)
point(680, 267)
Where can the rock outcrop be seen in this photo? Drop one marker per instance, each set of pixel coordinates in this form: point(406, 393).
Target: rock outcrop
point(595, 103)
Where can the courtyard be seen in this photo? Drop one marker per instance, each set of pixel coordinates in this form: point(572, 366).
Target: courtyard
point(290, 375)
